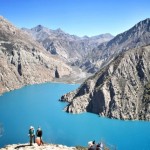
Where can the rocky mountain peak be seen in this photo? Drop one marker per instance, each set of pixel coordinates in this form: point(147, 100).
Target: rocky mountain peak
point(38, 28)
point(137, 36)
point(6, 25)
point(145, 24)
point(59, 30)
point(70, 48)
point(85, 37)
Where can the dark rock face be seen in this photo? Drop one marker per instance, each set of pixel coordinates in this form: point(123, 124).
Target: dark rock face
point(20, 69)
point(119, 90)
point(57, 74)
point(137, 36)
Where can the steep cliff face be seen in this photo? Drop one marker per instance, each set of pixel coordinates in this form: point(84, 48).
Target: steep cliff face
point(24, 61)
point(119, 90)
point(137, 36)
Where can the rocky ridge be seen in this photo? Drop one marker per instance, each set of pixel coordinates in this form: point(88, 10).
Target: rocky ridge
point(137, 36)
point(25, 61)
point(119, 90)
point(70, 48)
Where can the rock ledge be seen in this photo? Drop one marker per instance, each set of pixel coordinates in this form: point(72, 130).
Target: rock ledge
point(36, 147)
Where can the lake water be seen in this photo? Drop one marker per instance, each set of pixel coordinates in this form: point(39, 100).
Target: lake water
point(38, 105)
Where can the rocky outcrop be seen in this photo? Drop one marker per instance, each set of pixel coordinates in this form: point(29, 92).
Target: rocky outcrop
point(137, 36)
point(24, 61)
point(36, 147)
point(119, 90)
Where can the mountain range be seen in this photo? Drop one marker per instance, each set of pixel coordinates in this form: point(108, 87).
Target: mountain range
point(90, 53)
point(25, 61)
point(40, 55)
point(121, 88)
point(120, 84)
point(70, 48)
point(137, 36)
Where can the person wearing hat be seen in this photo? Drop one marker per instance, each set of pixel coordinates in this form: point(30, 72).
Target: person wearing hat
point(39, 136)
point(32, 134)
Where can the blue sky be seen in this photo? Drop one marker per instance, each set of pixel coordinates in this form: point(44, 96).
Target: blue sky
point(79, 17)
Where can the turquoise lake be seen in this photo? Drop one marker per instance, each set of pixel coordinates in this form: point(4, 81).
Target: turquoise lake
point(39, 105)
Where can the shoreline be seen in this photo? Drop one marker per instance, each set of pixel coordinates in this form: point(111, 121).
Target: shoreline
point(1, 94)
point(78, 79)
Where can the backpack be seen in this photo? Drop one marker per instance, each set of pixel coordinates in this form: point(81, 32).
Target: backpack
point(30, 131)
point(39, 133)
